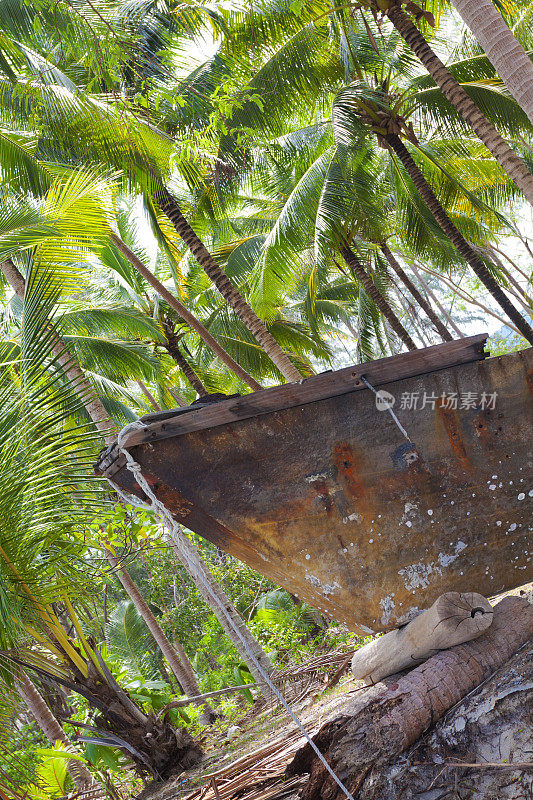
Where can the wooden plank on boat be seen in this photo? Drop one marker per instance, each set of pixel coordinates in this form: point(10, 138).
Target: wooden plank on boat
point(317, 387)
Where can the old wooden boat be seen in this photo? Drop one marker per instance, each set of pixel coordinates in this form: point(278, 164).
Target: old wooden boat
point(316, 486)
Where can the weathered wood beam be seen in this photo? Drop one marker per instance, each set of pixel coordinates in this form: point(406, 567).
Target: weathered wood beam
point(454, 618)
point(317, 387)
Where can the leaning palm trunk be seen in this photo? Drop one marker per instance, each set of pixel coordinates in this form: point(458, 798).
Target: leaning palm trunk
point(371, 289)
point(504, 52)
point(246, 645)
point(456, 238)
point(149, 396)
point(184, 313)
point(53, 731)
point(173, 349)
point(169, 205)
point(427, 290)
point(183, 364)
point(454, 92)
point(184, 676)
point(422, 302)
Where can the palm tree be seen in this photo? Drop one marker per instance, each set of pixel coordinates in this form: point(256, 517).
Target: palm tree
point(214, 595)
point(373, 292)
point(184, 675)
point(170, 207)
point(183, 312)
point(303, 207)
point(296, 52)
point(173, 348)
point(477, 264)
point(422, 302)
point(454, 92)
point(136, 149)
point(148, 155)
point(503, 50)
point(378, 111)
point(68, 362)
point(53, 731)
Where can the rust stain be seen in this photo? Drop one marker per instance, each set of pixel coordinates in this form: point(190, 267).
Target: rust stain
point(349, 471)
point(176, 502)
point(452, 426)
point(347, 465)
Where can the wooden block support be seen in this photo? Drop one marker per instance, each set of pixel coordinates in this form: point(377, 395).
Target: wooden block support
point(454, 618)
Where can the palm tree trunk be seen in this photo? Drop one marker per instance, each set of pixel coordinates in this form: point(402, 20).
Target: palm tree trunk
point(185, 314)
point(451, 89)
point(184, 658)
point(168, 204)
point(411, 314)
point(222, 607)
point(371, 289)
point(149, 396)
point(422, 302)
point(457, 238)
point(181, 402)
point(449, 319)
point(51, 728)
point(187, 370)
point(505, 53)
point(525, 301)
point(172, 348)
point(73, 371)
point(187, 679)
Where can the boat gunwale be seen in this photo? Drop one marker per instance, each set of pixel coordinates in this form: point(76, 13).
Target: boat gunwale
point(318, 387)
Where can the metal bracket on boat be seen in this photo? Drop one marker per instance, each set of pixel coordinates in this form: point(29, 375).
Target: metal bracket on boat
point(387, 407)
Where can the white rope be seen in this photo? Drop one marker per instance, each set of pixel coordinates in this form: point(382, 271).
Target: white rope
point(178, 537)
point(389, 409)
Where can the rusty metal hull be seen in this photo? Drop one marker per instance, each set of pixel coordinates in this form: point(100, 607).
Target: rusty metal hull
point(329, 500)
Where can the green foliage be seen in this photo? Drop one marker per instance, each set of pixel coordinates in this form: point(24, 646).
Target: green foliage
point(19, 753)
point(51, 775)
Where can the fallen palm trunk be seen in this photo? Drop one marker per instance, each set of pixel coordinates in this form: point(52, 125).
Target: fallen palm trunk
point(394, 717)
point(481, 748)
point(454, 618)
